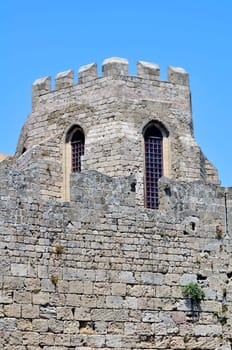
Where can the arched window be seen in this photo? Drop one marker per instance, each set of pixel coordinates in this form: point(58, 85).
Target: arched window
point(153, 140)
point(73, 150)
point(77, 149)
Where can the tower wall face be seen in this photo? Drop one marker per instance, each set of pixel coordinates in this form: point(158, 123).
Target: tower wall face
point(84, 265)
point(113, 111)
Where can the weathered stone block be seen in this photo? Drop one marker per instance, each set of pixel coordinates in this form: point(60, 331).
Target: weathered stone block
point(31, 338)
point(22, 297)
point(6, 297)
point(19, 270)
point(64, 79)
point(87, 73)
point(147, 70)
point(71, 327)
point(114, 66)
point(113, 341)
point(8, 324)
point(30, 311)
point(114, 302)
point(178, 75)
point(151, 278)
point(12, 310)
point(40, 298)
point(40, 325)
point(109, 315)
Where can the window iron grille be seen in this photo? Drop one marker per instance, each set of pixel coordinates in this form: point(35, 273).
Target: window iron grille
point(77, 147)
point(153, 166)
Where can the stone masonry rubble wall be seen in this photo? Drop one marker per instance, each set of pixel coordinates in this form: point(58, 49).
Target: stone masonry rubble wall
point(98, 270)
point(90, 274)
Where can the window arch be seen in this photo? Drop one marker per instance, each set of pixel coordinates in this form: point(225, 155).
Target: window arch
point(153, 144)
point(74, 148)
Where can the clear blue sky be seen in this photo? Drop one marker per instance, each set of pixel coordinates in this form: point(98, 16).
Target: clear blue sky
point(44, 37)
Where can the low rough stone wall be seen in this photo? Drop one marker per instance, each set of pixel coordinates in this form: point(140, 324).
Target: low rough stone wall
point(99, 273)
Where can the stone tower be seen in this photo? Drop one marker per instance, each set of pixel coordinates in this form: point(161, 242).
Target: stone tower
point(109, 209)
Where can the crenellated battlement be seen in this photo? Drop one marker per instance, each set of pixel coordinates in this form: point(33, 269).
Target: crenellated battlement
point(111, 67)
point(113, 109)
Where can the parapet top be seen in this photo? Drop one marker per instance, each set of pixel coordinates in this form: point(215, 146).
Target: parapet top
point(114, 66)
point(2, 156)
point(116, 60)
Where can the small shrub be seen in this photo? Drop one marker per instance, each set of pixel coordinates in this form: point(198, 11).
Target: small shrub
point(219, 232)
point(54, 279)
point(224, 308)
point(186, 338)
point(224, 292)
point(58, 248)
point(45, 153)
point(193, 292)
point(216, 313)
point(223, 321)
point(36, 290)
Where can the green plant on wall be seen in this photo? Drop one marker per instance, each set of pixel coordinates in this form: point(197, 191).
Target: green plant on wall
point(194, 292)
point(216, 313)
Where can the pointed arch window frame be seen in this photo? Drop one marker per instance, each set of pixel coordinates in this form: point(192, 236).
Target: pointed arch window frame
point(77, 142)
point(72, 155)
point(155, 137)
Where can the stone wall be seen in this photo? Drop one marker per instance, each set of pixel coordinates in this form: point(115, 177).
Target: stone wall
point(97, 272)
point(100, 271)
